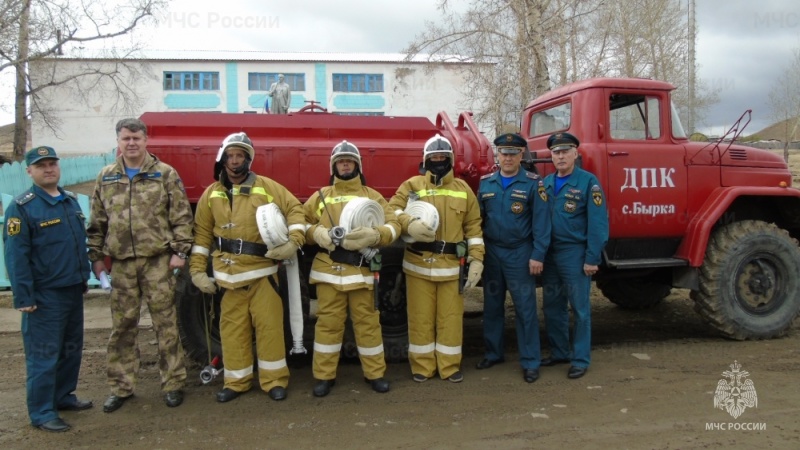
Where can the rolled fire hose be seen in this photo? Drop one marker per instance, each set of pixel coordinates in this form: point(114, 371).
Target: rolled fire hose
point(423, 211)
point(274, 232)
point(362, 212)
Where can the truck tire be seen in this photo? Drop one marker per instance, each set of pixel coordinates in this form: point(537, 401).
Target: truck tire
point(750, 281)
point(634, 293)
point(194, 308)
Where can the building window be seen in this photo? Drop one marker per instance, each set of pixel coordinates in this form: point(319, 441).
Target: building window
point(191, 81)
point(359, 113)
point(357, 82)
point(259, 81)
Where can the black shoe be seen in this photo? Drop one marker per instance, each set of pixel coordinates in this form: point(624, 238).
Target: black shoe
point(277, 393)
point(173, 398)
point(576, 372)
point(530, 375)
point(379, 385)
point(114, 402)
point(226, 395)
point(79, 405)
point(56, 425)
point(486, 363)
point(323, 387)
point(457, 377)
point(552, 362)
point(419, 378)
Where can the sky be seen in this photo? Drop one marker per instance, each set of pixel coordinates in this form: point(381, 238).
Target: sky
point(742, 46)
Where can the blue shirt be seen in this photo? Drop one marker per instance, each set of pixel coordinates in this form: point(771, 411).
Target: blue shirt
point(517, 215)
point(579, 213)
point(45, 244)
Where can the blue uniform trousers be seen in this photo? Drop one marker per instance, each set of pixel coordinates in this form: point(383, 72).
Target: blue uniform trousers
point(565, 284)
point(507, 269)
point(53, 340)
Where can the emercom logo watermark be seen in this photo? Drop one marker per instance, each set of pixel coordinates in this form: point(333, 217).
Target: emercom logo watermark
point(734, 394)
point(213, 19)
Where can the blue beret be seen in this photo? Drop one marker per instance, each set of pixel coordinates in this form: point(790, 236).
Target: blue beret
point(562, 141)
point(510, 143)
point(37, 154)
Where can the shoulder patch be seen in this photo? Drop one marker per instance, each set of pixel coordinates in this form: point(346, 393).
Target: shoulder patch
point(25, 198)
point(531, 175)
point(13, 226)
point(488, 175)
point(71, 194)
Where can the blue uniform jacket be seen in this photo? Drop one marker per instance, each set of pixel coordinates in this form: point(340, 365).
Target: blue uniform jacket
point(45, 244)
point(579, 213)
point(517, 215)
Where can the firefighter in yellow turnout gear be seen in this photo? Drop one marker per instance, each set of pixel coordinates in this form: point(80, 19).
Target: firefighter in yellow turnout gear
point(431, 264)
point(225, 227)
point(343, 276)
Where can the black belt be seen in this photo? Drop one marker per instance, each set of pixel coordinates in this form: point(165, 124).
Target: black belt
point(435, 247)
point(343, 256)
point(240, 247)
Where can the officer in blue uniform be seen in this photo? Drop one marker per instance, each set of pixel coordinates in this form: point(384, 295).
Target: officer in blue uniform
point(516, 232)
point(580, 231)
point(45, 254)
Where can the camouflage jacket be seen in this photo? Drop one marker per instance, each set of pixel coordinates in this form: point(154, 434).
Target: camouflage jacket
point(141, 217)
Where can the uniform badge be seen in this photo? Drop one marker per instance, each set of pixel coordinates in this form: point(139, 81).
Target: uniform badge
point(542, 193)
point(517, 207)
point(570, 206)
point(597, 195)
point(13, 226)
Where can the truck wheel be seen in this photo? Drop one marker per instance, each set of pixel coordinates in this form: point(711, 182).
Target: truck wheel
point(194, 308)
point(394, 316)
point(749, 283)
point(634, 293)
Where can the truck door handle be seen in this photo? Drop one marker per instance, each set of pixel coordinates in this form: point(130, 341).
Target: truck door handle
point(617, 153)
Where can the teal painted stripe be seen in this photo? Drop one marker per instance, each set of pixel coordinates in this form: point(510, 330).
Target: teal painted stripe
point(192, 101)
point(350, 101)
point(321, 84)
point(232, 87)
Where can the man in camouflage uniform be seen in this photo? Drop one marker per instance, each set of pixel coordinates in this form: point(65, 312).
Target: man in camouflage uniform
point(432, 263)
point(142, 220)
point(226, 229)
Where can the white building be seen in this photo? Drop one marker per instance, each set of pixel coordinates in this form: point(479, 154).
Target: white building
point(236, 82)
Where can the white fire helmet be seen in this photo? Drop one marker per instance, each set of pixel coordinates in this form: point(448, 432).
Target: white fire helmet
point(437, 144)
point(345, 150)
point(240, 140)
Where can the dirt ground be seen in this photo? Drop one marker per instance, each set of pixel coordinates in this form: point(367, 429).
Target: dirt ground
point(651, 385)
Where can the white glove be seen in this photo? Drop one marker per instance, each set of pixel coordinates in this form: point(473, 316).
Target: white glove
point(420, 231)
point(474, 274)
point(201, 280)
point(283, 251)
point(322, 236)
point(361, 237)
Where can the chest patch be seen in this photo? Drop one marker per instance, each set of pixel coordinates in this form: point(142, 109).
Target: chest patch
point(13, 226)
point(49, 223)
point(570, 206)
point(517, 207)
point(542, 193)
point(486, 195)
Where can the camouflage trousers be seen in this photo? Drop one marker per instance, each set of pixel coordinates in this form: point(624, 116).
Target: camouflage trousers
point(133, 282)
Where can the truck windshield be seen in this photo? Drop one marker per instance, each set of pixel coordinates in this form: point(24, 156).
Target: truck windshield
point(677, 127)
point(550, 120)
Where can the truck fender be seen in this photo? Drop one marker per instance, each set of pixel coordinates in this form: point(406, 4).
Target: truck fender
point(693, 246)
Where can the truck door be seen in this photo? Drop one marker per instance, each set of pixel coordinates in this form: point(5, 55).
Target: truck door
point(646, 171)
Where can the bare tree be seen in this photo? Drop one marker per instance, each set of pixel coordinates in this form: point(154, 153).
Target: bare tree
point(784, 102)
point(42, 31)
point(523, 48)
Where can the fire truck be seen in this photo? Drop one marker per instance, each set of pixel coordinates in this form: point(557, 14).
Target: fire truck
point(717, 218)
